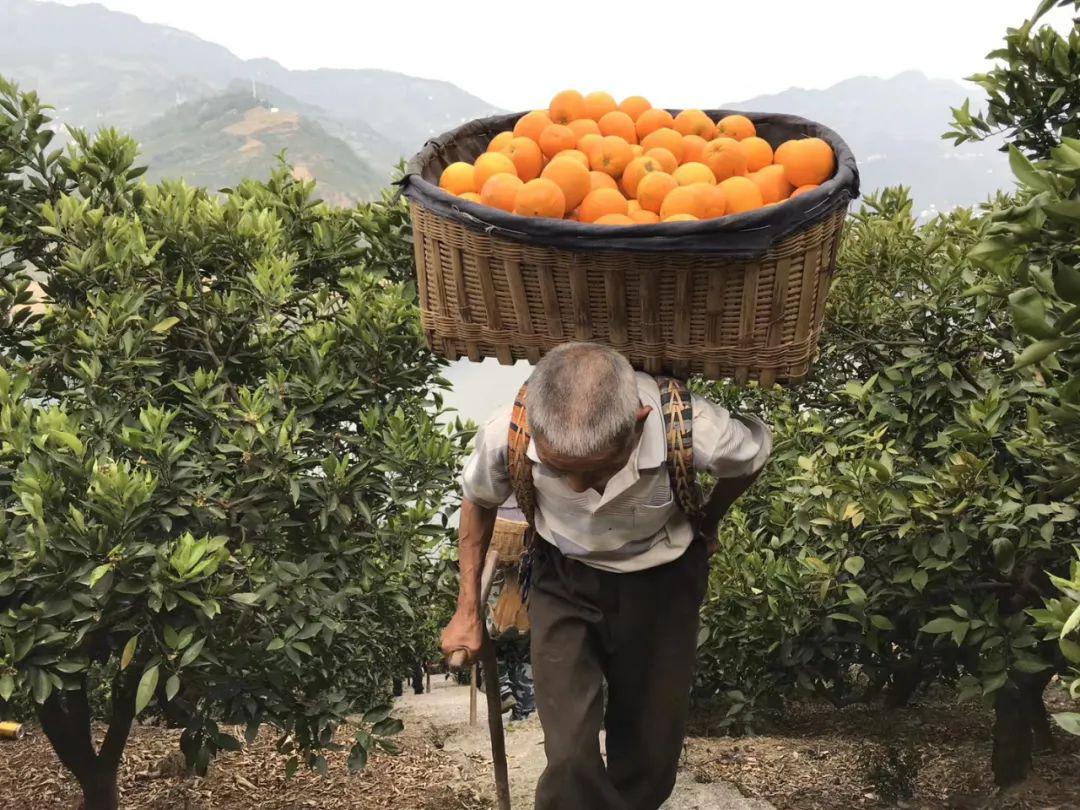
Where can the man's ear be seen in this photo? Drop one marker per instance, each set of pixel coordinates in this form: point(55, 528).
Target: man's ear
point(643, 414)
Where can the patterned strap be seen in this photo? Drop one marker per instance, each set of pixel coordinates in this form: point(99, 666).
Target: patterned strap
point(521, 480)
point(677, 410)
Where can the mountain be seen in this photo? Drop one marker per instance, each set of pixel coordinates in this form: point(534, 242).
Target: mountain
point(894, 128)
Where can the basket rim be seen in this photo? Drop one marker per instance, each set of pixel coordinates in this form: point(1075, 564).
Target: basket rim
point(758, 229)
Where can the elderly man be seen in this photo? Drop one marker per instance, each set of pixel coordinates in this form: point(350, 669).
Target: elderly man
point(618, 571)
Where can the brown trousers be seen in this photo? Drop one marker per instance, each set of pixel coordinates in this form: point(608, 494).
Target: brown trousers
point(638, 632)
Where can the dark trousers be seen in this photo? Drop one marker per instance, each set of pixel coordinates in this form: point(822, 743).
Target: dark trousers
point(636, 631)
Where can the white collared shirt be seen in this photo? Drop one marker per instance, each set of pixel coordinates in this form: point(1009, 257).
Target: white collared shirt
point(635, 524)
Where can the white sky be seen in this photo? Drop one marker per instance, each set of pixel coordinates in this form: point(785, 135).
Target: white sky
point(691, 53)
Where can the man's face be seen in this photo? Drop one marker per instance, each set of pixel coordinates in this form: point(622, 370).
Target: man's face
point(583, 473)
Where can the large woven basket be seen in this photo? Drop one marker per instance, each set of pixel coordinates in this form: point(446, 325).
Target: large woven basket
point(740, 297)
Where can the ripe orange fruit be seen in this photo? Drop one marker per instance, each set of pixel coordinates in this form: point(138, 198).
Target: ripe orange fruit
point(773, 183)
point(471, 196)
point(633, 205)
point(634, 106)
point(601, 180)
point(555, 138)
point(694, 173)
point(572, 177)
point(803, 190)
point(681, 218)
point(682, 200)
point(500, 191)
point(611, 155)
point(652, 120)
point(637, 149)
point(666, 138)
point(736, 126)
point(531, 124)
point(742, 194)
point(653, 188)
point(491, 163)
point(540, 198)
point(695, 122)
point(758, 153)
point(458, 178)
point(665, 158)
point(597, 105)
point(644, 217)
point(713, 198)
point(692, 146)
point(588, 141)
point(500, 141)
point(527, 157)
point(584, 126)
point(614, 219)
point(637, 169)
point(618, 123)
point(574, 154)
point(566, 106)
point(725, 157)
point(806, 161)
point(600, 202)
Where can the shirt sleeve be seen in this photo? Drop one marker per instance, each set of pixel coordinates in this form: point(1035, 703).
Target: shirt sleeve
point(485, 479)
point(728, 446)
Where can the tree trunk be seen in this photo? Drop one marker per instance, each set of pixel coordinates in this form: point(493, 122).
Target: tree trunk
point(905, 679)
point(100, 791)
point(1032, 687)
point(1011, 759)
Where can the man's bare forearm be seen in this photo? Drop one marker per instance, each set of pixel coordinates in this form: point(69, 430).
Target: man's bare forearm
point(723, 495)
point(474, 537)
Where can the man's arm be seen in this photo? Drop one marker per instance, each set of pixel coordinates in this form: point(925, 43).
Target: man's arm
point(723, 495)
point(465, 631)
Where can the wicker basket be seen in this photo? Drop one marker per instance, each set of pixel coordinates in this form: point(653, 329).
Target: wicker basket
point(680, 298)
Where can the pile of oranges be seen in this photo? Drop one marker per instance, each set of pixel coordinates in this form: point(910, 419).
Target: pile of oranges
point(588, 159)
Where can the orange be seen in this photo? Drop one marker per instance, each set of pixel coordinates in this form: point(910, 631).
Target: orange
point(682, 200)
point(589, 140)
point(742, 194)
point(601, 180)
point(713, 198)
point(531, 124)
point(665, 157)
point(555, 138)
point(692, 146)
point(618, 123)
point(644, 217)
point(600, 202)
point(725, 157)
point(500, 191)
point(758, 153)
point(566, 106)
point(637, 169)
point(637, 150)
point(736, 126)
point(772, 183)
point(491, 163)
point(574, 154)
point(540, 198)
point(666, 138)
point(695, 122)
point(806, 161)
point(634, 106)
point(613, 219)
point(653, 188)
point(694, 173)
point(632, 206)
point(584, 126)
point(471, 196)
point(597, 105)
point(651, 120)
point(681, 218)
point(527, 157)
point(572, 177)
point(803, 190)
point(500, 141)
point(457, 178)
point(611, 155)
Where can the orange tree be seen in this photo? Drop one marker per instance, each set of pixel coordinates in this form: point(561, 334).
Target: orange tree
point(220, 457)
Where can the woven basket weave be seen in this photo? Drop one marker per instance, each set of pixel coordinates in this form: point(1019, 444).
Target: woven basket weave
point(484, 293)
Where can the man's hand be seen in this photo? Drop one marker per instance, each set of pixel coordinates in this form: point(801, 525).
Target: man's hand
point(465, 632)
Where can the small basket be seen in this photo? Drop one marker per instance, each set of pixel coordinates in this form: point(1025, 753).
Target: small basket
point(740, 297)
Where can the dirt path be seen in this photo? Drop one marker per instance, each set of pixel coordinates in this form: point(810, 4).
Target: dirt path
point(444, 713)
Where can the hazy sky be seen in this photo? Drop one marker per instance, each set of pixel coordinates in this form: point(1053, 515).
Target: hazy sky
point(684, 53)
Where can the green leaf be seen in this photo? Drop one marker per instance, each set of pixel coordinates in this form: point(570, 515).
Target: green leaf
point(377, 715)
point(844, 617)
point(853, 565)
point(1025, 172)
point(1037, 352)
point(1029, 313)
point(245, 598)
point(919, 579)
point(1070, 649)
point(275, 644)
point(129, 651)
point(1067, 282)
point(995, 682)
point(7, 686)
point(172, 686)
point(387, 727)
point(145, 691)
point(942, 624)
point(1070, 721)
point(881, 622)
point(358, 757)
point(1071, 623)
point(192, 652)
point(1004, 553)
point(165, 325)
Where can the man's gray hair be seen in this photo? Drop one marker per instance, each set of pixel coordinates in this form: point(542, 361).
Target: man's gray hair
point(583, 399)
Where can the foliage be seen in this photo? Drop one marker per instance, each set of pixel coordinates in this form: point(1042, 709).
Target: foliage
point(1060, 618)
point(220, 454)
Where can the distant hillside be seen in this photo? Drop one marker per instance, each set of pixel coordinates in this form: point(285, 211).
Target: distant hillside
point(221, 140)
point(894, 126)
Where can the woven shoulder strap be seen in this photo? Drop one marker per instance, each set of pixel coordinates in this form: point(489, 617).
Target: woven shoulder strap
point(677, 410)
point(518, 460)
